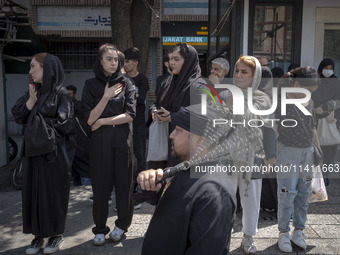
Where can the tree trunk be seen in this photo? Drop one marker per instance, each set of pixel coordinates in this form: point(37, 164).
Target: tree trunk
point(121, 24)
point(131, 25)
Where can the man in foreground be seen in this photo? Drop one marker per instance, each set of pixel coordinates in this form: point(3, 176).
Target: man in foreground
point(193, 216)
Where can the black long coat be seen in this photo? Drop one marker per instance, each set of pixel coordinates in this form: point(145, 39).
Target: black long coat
point(46, 177)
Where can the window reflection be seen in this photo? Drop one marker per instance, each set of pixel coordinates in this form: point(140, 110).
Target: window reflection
point(273, 34)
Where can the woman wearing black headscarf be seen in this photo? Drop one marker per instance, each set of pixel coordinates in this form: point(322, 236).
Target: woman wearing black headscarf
point(46, 111)
point(108, 106)
point(183, 87)
point(327, 104)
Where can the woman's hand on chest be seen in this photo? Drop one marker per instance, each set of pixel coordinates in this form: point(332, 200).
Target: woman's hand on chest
point(113, 91)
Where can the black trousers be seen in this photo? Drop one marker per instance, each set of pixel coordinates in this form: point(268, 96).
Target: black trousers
point(110, 165)
point(139, 145)
point(328, 155)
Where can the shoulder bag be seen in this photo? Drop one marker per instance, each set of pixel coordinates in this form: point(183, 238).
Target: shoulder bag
point(40, 138)
point(328, 133)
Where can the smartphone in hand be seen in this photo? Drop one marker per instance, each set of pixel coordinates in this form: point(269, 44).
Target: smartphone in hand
point(158, 111)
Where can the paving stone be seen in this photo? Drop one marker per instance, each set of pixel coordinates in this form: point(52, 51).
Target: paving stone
point(327, 231)
point(315, 219)
point(322, 228)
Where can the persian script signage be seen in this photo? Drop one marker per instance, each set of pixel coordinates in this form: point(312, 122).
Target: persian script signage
point(74, 18)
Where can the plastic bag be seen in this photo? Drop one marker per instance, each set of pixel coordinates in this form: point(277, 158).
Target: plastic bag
point(158, 141)
point(328, 133)
point(318, 188)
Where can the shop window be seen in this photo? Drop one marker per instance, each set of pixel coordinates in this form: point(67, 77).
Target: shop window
point(219, 26)
point(332, 46)
point(275, 31)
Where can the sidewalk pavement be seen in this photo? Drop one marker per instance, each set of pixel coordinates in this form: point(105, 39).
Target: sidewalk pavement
point(322, 229)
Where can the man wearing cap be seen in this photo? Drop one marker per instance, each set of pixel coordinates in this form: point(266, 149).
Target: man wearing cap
point(194, 215)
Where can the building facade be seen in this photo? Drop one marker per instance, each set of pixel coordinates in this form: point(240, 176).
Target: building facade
point(285, 31)
point(74, 29)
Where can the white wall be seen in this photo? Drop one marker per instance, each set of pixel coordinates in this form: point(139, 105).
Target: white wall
point(308, 33)
point(312, 29)
point(244, 50)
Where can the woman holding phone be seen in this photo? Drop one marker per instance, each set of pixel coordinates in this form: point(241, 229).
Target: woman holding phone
point(182, 88)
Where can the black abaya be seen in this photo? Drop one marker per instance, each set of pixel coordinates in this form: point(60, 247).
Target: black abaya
point(46, 177)
point(182, 90)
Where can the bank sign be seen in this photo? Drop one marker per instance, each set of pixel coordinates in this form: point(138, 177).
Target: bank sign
point(192, 40)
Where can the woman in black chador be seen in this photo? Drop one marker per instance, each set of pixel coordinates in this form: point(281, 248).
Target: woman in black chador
point(183, 88)
point(46, 111)
point(327, 105)
point(108, 106)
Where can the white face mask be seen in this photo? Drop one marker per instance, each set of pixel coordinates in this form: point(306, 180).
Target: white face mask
point(327, 73)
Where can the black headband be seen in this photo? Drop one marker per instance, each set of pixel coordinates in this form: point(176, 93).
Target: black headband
point(188, 119)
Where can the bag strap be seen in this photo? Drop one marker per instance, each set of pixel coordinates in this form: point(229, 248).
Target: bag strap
point(35, 108)
point(33, 112)
point(81, 128)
